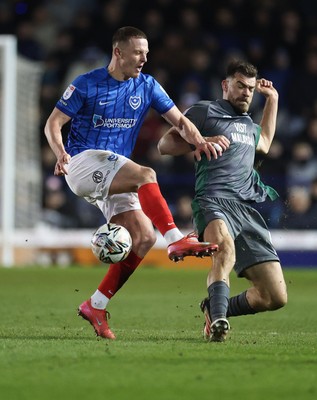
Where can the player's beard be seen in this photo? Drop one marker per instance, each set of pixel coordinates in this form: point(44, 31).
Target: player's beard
point(241, 105)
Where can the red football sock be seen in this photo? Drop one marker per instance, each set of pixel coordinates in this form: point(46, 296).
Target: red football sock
point(155, 207)
point(118, 274)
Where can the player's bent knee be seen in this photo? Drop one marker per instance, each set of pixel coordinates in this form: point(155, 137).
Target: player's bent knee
point(282, 300)
point(142, 244)
point(277, 301)
point(149, 240)
point(148, 175)
point(265, 300)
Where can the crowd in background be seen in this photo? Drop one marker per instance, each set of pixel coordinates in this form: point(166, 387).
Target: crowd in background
point(190, 43)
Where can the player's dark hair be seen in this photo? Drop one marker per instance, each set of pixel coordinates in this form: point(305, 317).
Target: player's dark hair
point(127, 32)
point(242, 67)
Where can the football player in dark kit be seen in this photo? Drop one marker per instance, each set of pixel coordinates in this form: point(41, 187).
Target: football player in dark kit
point(225, 189)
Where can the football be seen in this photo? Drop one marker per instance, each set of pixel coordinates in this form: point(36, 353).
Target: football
point(111, 243)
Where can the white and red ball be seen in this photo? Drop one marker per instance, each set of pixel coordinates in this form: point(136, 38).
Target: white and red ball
point(111, 243)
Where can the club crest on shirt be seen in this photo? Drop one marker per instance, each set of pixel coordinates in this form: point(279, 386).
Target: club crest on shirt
point(112, 157)
point(135, 102)
point(97, 176)
point(97, 120)
point(68, 92)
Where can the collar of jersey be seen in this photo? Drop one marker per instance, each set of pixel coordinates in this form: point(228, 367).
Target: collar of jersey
point(228, 107)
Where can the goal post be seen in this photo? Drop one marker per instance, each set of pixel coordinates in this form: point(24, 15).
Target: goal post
point(20, 152)
point(8, 45)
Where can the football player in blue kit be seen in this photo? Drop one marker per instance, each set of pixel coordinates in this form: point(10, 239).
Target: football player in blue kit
point(225, 189)
point(107, 107)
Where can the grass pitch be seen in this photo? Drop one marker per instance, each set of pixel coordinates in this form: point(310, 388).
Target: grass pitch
point(47, 352)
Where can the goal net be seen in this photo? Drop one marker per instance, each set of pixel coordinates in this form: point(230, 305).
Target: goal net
point(20, 156)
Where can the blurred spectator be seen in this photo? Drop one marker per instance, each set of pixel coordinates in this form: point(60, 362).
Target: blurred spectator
point(45, 27)
point(81, 31)
point(28, 45)
point(194, 86)
point(290, 35)
point(280, 72)
point(150, 133)
point(108, 17)
point(86, 216)
point(183, 212)
point(313, 192)
point(273, 165)
point(48, 162)
point(64, 52)
point(309, 10)
point(172, 55)
point(190, 93)
point(262, 21)
point(89, 58)
point(306, 78)
point(64, 11)
point(50, 88)
point(311, 133)
point(58, 211)
point(300, 213)
point(191, 26)
point(224, 25)
point(255, 51)
point(313, 207)
point(153, 24)
point(302, 168)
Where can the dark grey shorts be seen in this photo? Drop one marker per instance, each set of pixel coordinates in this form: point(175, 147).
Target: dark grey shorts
point(251, 236)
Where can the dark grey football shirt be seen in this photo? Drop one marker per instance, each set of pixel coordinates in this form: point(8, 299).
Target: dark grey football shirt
point(231, 176)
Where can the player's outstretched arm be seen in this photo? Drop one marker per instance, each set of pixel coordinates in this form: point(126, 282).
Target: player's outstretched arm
point(173, 144)
point(53, 133)
point(269, 116)
point(188, 131)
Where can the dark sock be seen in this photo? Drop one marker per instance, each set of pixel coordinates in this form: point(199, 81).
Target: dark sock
point(239, 305)
point(218, 299)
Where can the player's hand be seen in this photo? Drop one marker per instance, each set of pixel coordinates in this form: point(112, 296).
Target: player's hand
point(207, 148)
point(216, 145)
point(220, 143)
point(61, 164)
point(266, 88)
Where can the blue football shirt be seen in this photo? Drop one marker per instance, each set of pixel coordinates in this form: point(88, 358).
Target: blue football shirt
point(107, 114)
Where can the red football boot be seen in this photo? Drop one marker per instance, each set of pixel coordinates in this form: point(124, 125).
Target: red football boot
point(97, 318)
point(190, 246)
